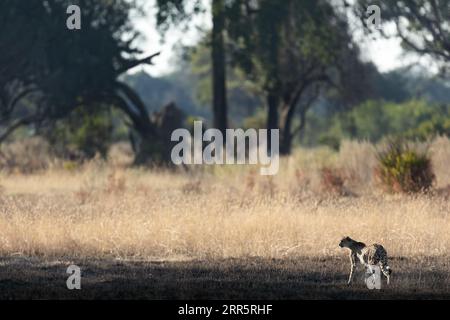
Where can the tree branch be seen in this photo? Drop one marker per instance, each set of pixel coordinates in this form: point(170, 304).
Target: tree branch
point(123, 105)
point(19, 97)
point(415, 47)
point(135, 63)
point(15, 126)
point(134, 98)
point(305, 109)
point(141, 118)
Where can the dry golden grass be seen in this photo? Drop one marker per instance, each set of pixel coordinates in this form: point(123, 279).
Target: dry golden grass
point(102, 211)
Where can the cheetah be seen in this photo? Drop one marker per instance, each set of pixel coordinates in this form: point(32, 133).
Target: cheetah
point(368, 256)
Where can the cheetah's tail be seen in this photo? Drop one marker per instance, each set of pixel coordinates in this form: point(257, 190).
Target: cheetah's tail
point(385, 267)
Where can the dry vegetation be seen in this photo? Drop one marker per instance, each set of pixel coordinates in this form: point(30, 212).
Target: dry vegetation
point(104, 211)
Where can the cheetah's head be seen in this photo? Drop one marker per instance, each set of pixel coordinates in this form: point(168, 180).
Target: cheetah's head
point(345, 242)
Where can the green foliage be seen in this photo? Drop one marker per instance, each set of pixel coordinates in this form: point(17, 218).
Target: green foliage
point(176, 12)
point(281, 40)
point(83, 134)
point(424, 25)
point(190, 121)
point(331, 141)
point(69, 71)
point(73, 66)
point(415, 119)
point(257, 121)
point(195, 67)
point(436, 125)
point(403, 169)
point(410, 104)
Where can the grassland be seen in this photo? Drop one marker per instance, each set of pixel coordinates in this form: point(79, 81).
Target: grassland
point(219, 232)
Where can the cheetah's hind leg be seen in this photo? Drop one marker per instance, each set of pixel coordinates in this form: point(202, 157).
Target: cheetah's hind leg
point(387, 272)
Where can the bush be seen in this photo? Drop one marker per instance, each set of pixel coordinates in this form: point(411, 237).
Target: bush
point(25, 156)
point(333, 181)
point(83, 134)
point(402, 169)
point(330, 141)
point(257, 121)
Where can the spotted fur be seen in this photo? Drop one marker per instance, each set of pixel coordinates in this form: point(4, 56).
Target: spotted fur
point(368, 256)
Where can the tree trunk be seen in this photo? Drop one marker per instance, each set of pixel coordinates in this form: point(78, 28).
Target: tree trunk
point(286, 141)
point(219, 68)
point(148, 149)
point(272, 119)
point(272, 115)
point(147, 144)
point(286, 129)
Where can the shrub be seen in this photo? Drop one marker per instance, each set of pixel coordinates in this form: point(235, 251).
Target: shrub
point(401, 168)
point(331, 141)
point(358, 160)
point(333, 181)
point(192, 187)
point(83, 134)
point(440, 155)
point(257, 121)
point(116, 183)
point(25, 156)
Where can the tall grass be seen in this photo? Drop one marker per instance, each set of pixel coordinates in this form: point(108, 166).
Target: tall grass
point(100, 210)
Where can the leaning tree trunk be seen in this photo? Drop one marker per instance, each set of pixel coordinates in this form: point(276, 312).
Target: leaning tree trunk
point(147, 145)
point(149, 150)
point(288, 112)
point(219, 68)
point(145, 139)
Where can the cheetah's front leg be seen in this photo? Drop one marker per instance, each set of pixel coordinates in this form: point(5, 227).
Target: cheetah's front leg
point(352, 268)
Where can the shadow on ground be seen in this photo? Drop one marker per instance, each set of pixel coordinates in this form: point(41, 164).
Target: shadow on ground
point(252, 278)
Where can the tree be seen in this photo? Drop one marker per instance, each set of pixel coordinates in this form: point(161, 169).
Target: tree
point(172, 12)
point(66, 69)
point(413, 119)
point(194, 66)
point(295, 49)
point(422, 25)
point(219, 68)
point(16, 79)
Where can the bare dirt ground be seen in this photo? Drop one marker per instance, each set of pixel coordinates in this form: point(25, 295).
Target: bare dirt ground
point(258, 279)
